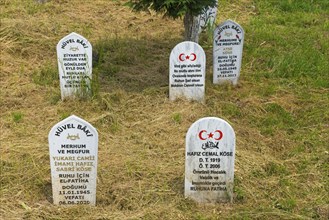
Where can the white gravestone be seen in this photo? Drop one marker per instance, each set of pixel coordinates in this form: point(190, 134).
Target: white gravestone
point(73, 147)
point(209, 167)
point(227, 52)
point(74, 54)
point(187, 72)
point(207, 17)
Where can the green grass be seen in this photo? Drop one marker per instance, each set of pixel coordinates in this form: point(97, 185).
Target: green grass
point(46, 75)
point(279, 110)
point(17, 116)
point(297, 31)
point(177, 117)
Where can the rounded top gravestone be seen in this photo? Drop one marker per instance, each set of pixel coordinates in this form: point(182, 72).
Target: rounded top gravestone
point(187, 71)
point(209, 167)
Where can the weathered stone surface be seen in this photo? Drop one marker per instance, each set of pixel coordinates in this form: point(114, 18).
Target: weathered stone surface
point(208, 17)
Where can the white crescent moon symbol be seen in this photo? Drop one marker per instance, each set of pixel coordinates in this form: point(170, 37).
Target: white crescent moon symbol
point(193, 54)
point(220, 135)
point(180, 56)
point(200, 135)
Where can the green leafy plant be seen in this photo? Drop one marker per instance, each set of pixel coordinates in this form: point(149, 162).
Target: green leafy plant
point(189, 9)
point(17, 116)
point(177, 117)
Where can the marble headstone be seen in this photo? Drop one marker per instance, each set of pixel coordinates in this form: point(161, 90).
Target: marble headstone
point(227, 52)
point(73, 148)
point(209, 166)
point(74, 54)
point(207, 17)
point(187, 72)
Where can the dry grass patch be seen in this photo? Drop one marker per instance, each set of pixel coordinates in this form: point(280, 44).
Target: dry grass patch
point(280, 118)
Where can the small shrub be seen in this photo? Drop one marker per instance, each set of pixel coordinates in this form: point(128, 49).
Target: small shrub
point(17, 117)
point(177, 117)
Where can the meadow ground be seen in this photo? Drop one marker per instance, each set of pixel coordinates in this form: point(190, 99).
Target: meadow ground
point(279, 110)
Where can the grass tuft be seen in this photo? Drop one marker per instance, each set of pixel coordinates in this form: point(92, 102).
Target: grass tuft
point(17, 116)
point(279, 110)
